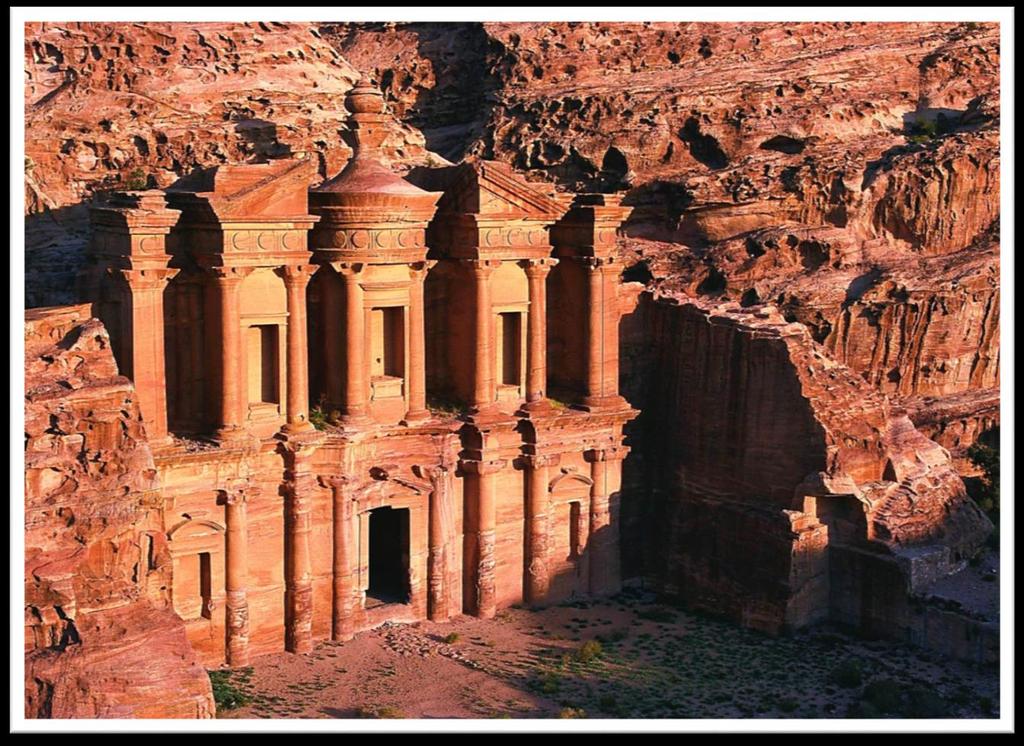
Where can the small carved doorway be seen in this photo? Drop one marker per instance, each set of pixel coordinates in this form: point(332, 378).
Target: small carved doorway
point(389, 557)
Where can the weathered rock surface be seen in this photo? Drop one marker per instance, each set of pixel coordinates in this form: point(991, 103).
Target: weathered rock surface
point(844, 174)
point(760, 456)
point(100, 637)
point(110, 105)
point(763, 161)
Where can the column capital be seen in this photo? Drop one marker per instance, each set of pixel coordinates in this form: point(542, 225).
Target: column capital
point(297, 275)
point(418, 270)
point(349, 271)
point(148, 279)
point(433, 473)
point(539, 461)
point(611, 453)
point(539, 267)
point(599, 263)
point(483, 468)
point(230, 275)
point(236, 494)
point(335, 481)
point(482, 268)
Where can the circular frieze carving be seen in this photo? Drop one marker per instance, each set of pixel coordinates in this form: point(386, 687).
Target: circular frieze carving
point(290, 241)
point(359, 239)
point(489, 235)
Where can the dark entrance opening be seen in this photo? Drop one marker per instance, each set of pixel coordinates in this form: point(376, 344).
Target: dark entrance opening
point(389, 557)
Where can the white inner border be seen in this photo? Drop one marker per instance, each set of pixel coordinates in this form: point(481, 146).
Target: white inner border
point(22, 15)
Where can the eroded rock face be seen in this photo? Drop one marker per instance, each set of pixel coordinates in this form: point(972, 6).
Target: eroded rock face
point(761, 456)
point(100, 637)
point(763, 162)
point(116, 105)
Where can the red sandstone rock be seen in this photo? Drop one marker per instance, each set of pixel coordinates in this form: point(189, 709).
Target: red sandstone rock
point(778, 169)
point(762, 165)
point(753, 439)
point(100, 638)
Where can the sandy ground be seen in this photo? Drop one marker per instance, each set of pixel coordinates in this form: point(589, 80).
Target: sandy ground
point(654, 661)
point(975, 588)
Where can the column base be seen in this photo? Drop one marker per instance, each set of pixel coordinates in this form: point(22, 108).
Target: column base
point(163, 443)
point(232, 435)
point(416, 417)
point(488, 414)
point(603, 403)
point(355, 422)
point(537, 408)
point(294, 428)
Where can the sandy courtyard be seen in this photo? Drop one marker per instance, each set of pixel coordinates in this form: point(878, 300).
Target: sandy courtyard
point(650, 661)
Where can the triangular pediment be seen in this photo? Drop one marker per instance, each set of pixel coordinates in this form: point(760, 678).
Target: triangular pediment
point(254, 190)
point(491, 188)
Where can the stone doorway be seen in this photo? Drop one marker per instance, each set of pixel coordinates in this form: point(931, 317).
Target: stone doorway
point(389, 557)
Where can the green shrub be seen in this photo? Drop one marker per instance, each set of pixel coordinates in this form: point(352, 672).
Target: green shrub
point(985, 455)
point(226, 696)
point(549, 684)
point(609, 703)
point(883, 695)
point(136, 180)
point(657, 614)
point(788, 704)
point(571, 713)
point(847, 674)
point(451, 638)
point(588, 651)
point(922, 702)
point(386, 712)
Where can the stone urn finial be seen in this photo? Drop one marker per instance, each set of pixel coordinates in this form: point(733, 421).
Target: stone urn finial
point(364, 98)
point(367, 119)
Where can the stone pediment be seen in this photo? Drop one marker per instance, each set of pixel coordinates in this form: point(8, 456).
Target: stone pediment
point(492, 189)
point(275, 190)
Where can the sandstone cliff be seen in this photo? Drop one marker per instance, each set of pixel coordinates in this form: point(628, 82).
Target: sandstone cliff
point(761, 457)
point(100, 637)
point(110, 105)
point(847, 172)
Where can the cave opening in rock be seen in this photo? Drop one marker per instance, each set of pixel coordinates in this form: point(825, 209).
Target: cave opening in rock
point(389, 557)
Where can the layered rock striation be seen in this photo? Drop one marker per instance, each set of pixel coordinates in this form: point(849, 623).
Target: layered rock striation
point(763, 460)
point(101, 639)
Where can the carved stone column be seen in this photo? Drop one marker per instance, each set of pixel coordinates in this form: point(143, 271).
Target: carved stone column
point(484, 388)
point(146, 344)
point(595, 331)
point(482, 491)
point(417, 344)
point(334, 361)
point(298, 488)
point(233, 412)
point(357, 362)
point(442, 523)
point(296, 278)
point(236, 574)
point(537, 369)
point(342, 559)
point(605, 573)
point(537, 499)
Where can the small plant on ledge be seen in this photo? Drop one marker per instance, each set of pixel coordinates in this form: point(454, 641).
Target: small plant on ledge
point(442, 407)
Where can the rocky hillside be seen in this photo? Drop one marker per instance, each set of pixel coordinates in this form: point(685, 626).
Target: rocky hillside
point(848, 173)
point(101, 639)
